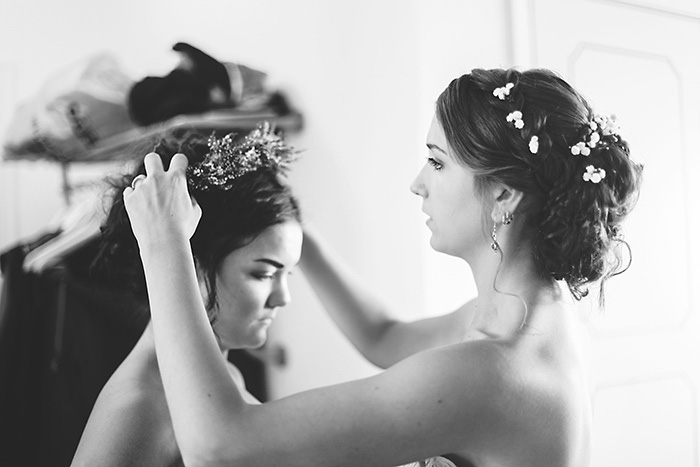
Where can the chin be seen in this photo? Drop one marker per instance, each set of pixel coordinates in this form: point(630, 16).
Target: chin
point(254, 341)
point(443, 247)
point(436, 245)
point(257, 340)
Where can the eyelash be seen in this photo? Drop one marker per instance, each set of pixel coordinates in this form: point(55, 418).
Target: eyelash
point(263, 276)
point(434, 164)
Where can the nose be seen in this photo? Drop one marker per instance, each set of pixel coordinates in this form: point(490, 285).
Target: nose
point(418, 187)
point(280, 295)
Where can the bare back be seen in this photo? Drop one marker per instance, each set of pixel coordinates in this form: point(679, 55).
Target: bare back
point(541, 411)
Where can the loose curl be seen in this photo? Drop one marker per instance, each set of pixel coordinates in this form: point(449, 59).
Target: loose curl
point(573, 226)
point(230, 219)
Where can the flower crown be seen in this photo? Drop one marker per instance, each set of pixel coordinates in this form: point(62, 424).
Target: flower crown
point(226, 160)
point(601, 132)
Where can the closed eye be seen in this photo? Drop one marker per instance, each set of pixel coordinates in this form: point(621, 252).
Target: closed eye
point(263, 276)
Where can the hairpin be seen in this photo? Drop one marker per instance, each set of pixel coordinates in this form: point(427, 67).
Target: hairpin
point(593, 174)
point(534, 144)
point(516, 117)
point(226, 160)
point(504, 91)
point(601, 131)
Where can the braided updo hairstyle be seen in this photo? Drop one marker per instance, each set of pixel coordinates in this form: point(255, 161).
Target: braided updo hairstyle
point(230, 219)
point(572, 224)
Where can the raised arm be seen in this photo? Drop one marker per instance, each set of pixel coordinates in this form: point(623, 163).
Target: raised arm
point(163, 218)
point(373, 329)
point(376, 421)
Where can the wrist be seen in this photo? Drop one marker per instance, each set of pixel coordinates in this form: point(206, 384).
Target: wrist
point(164, 246)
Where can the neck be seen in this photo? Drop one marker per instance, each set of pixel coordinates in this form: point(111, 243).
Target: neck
point(510, 291)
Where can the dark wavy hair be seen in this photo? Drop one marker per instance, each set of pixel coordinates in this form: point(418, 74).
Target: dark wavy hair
point(230, 218)
point(573, 225)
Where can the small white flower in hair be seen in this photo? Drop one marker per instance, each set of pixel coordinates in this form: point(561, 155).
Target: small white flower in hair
point(504, 91)
point(580, 149)
point(607, 124)
point(534, 144)
point(517, 118)
point(593, 175)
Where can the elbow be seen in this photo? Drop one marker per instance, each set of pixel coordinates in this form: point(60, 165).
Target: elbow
point(378, 348)
point(379, 360)
point(374, 355)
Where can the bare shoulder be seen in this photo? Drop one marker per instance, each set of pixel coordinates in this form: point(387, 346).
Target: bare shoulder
point(542, 405)
point(464, 392)
point(504, 401)
point(129, 425)
point(471, 399)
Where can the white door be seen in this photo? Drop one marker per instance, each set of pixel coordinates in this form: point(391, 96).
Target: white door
point(640, 60)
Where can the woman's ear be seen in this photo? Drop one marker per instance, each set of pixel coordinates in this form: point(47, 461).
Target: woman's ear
point(506, 201)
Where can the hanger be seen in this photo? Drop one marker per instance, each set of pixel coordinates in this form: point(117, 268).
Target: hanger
point(78, 226)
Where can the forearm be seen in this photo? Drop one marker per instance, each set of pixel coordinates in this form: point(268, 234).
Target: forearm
point(201, 396)
point(360, 315)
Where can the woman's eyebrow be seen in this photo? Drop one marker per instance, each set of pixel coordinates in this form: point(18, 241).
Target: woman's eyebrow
point(271, 262)
point(435, 147)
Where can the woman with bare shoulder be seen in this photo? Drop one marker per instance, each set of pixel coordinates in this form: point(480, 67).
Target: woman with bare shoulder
point(526, 184)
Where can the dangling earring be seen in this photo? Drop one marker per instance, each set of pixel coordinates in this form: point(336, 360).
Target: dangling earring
point(506, 219)
point(494, 242)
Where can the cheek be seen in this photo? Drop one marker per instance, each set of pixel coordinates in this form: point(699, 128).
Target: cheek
point(461, 216)
point(242, 301)
point(456, 202)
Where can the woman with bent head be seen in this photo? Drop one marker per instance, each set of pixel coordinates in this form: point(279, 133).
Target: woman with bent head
point(247, 241)
point(527, 185)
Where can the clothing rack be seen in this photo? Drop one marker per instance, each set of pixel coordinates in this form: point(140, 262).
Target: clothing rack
point(116, 147)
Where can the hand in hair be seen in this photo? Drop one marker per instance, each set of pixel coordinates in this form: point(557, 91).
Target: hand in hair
point(159, 206)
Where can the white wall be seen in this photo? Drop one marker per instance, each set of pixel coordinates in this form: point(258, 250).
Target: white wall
point(406, 53)
point(365, 75)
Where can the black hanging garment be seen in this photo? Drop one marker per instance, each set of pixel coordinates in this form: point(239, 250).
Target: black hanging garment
point(62, 335)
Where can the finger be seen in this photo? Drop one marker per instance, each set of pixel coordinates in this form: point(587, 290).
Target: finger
point(153, 163)
point(178, 163)
point(136, 180)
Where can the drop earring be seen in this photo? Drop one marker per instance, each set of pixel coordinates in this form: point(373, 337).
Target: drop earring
point(494, 242)
point(506, 219)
